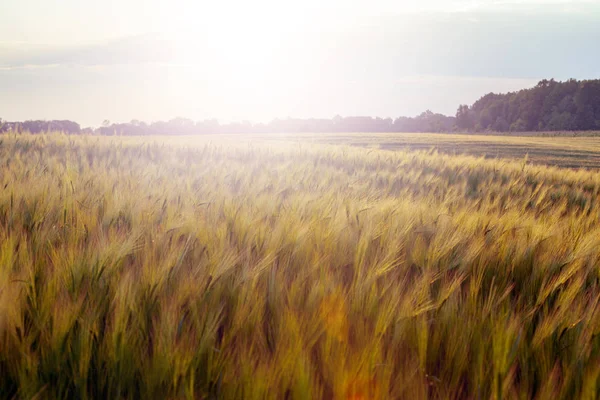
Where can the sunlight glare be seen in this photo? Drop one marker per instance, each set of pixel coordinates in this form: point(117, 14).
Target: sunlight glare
point(244, 43)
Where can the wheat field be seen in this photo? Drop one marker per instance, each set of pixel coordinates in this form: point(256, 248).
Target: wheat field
point(275, 269)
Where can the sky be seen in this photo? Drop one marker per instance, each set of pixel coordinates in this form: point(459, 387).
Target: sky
point(238, 60)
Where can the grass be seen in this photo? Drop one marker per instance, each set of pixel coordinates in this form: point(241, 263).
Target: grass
point(165, 268)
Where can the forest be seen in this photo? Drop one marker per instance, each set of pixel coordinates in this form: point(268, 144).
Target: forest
point(549, 106)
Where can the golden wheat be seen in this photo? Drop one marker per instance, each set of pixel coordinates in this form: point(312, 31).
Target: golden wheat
point(139, 268)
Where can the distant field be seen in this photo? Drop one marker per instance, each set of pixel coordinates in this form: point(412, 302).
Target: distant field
point(298, 267)
point(563, 151)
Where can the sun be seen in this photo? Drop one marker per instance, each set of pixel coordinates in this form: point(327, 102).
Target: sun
point(240, 41)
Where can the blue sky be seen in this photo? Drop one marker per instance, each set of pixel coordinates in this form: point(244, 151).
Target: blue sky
point(233, 60)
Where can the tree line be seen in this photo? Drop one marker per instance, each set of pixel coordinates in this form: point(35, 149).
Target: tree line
point(425, 122)
point(40, 126)
point(549, 106)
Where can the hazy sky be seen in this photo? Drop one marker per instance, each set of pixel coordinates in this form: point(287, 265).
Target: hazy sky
point(257, 60)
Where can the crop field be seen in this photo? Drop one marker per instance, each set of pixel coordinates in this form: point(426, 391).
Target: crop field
point(559, 150)
point(299, 267)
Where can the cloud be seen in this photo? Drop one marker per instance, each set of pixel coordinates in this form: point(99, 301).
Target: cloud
point(140, 49)
point(545, 6)
point(506, 43)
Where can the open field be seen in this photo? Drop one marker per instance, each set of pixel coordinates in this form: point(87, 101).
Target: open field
point(296, 267)
point(562, 151)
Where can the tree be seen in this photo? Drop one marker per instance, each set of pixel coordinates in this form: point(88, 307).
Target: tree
point(550, 105)
point(518, 126)
point(500, 125)
point(464, 118)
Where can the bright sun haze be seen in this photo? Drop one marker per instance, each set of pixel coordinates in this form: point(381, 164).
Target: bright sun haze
point(237, 60)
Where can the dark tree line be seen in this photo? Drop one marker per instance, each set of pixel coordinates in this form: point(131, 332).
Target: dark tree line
point(425, 122)
point(549, 106)
point(39, 126)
